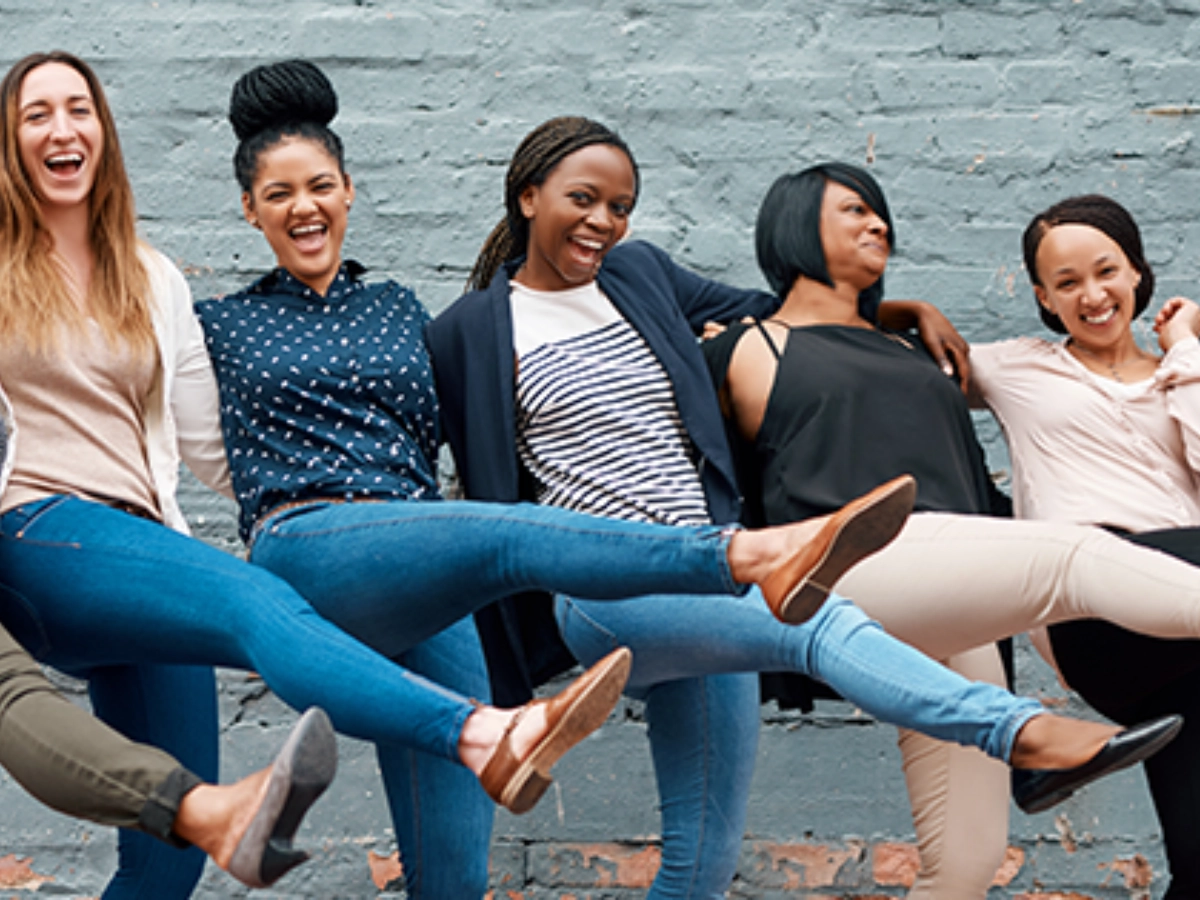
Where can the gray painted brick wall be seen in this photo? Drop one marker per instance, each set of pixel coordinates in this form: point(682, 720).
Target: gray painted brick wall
point(974, 115)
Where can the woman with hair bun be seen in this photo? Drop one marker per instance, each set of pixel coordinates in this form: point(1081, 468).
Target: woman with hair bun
point(571, 374)
point(1103, 431)
point(331, 426)
point(107, 386)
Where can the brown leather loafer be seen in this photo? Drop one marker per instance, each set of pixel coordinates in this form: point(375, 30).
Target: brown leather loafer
point(518, 784)
point(796, 590)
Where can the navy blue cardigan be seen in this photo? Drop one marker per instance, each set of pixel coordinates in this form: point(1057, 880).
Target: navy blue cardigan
point(472, 347)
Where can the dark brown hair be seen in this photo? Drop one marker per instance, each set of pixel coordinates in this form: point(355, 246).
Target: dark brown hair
point(1104, 214)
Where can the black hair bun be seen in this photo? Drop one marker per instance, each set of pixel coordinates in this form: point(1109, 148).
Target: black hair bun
point(284, 93)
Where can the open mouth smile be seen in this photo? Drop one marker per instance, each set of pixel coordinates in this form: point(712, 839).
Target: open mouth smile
point(1100, 318)
point(309, 237)
point(65, 163)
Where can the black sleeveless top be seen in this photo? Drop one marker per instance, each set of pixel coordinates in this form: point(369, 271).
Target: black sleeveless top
point(850, 409)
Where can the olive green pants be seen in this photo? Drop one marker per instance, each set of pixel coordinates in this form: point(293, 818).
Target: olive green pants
point(74, 763)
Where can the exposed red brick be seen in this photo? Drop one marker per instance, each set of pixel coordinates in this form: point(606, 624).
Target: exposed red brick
point(617, 865)
point(1054, 895)
point(17, 873)
point(384, 869)
point(1014, 859)
point(895, 864)
point(806, 865)
point(1137, 870)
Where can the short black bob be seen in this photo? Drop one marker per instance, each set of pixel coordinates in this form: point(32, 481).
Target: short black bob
point(787, 237)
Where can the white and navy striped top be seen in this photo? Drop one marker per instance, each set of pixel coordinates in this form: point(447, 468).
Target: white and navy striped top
point(597, 423)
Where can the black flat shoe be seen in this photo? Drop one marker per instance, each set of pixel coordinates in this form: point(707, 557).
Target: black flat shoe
point(303, 769)
point(1035, 790)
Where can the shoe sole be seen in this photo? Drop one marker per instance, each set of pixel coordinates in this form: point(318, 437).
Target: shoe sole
point(585, 715)
point(302, 770)
point(864, 531)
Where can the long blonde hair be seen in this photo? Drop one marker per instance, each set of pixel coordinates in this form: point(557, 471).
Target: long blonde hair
point(35, 300)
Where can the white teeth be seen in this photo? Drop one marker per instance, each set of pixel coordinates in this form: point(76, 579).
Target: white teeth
point(63, 159)
point(590, 245)
point(1102, 318)
point(307, 229)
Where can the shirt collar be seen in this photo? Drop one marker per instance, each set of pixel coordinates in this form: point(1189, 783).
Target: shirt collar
point(281, 281)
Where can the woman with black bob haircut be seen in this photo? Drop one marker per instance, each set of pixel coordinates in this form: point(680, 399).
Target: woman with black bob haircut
point(330, 420)
point(571, 375)
point(791, 246)
point(1103, 430)
point(821, 398)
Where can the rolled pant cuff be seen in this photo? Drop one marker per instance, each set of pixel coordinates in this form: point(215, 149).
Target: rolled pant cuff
point(157, 817)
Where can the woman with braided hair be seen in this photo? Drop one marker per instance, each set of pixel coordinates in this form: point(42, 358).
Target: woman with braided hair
point(103, 359)
point(572, 375)
point(331, 425)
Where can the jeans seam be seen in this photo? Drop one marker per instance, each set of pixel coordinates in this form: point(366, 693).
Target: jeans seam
point(706, 731)
point(411, 889)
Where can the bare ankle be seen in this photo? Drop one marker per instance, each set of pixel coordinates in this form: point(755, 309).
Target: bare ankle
point(753, 555)
point(1057, 742)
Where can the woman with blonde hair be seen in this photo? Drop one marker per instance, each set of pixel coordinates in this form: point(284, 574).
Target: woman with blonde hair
point(103, 360)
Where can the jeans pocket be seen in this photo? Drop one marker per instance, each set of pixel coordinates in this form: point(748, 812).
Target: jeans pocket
point(586, 638)
point(271, 524)
point(17, 522)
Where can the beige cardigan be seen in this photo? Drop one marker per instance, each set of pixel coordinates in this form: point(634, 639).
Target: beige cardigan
point(182, 412)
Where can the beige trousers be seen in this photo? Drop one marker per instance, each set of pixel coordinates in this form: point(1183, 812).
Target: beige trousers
point(951, 586)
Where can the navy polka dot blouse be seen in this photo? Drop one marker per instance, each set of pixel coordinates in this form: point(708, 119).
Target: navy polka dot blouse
point(323, 396)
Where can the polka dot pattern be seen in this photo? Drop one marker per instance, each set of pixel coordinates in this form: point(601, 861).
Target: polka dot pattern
point(323, 396)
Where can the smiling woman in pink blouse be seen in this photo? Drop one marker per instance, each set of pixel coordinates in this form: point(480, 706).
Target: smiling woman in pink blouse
point(1103, 431)
point(820, 395)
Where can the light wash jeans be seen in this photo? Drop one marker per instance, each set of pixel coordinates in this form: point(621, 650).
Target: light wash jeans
point(702, 745)
point(113, 597)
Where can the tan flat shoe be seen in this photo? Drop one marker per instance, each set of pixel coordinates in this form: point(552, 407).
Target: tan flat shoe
point(796, 590)
point(518, 784)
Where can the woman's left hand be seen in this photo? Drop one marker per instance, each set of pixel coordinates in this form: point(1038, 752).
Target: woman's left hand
point(947, 347)
point(1178, 320)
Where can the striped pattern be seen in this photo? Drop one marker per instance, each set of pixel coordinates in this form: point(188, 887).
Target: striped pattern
point(598, 427)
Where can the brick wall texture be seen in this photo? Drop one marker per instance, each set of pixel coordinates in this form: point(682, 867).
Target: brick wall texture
point(974, 114)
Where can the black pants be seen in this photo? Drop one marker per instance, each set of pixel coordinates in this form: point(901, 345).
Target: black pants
point(1129, 677)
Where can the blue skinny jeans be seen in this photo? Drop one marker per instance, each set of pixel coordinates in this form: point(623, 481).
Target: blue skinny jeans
point(96, 591)
point(406, 571)
point(704, 719)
